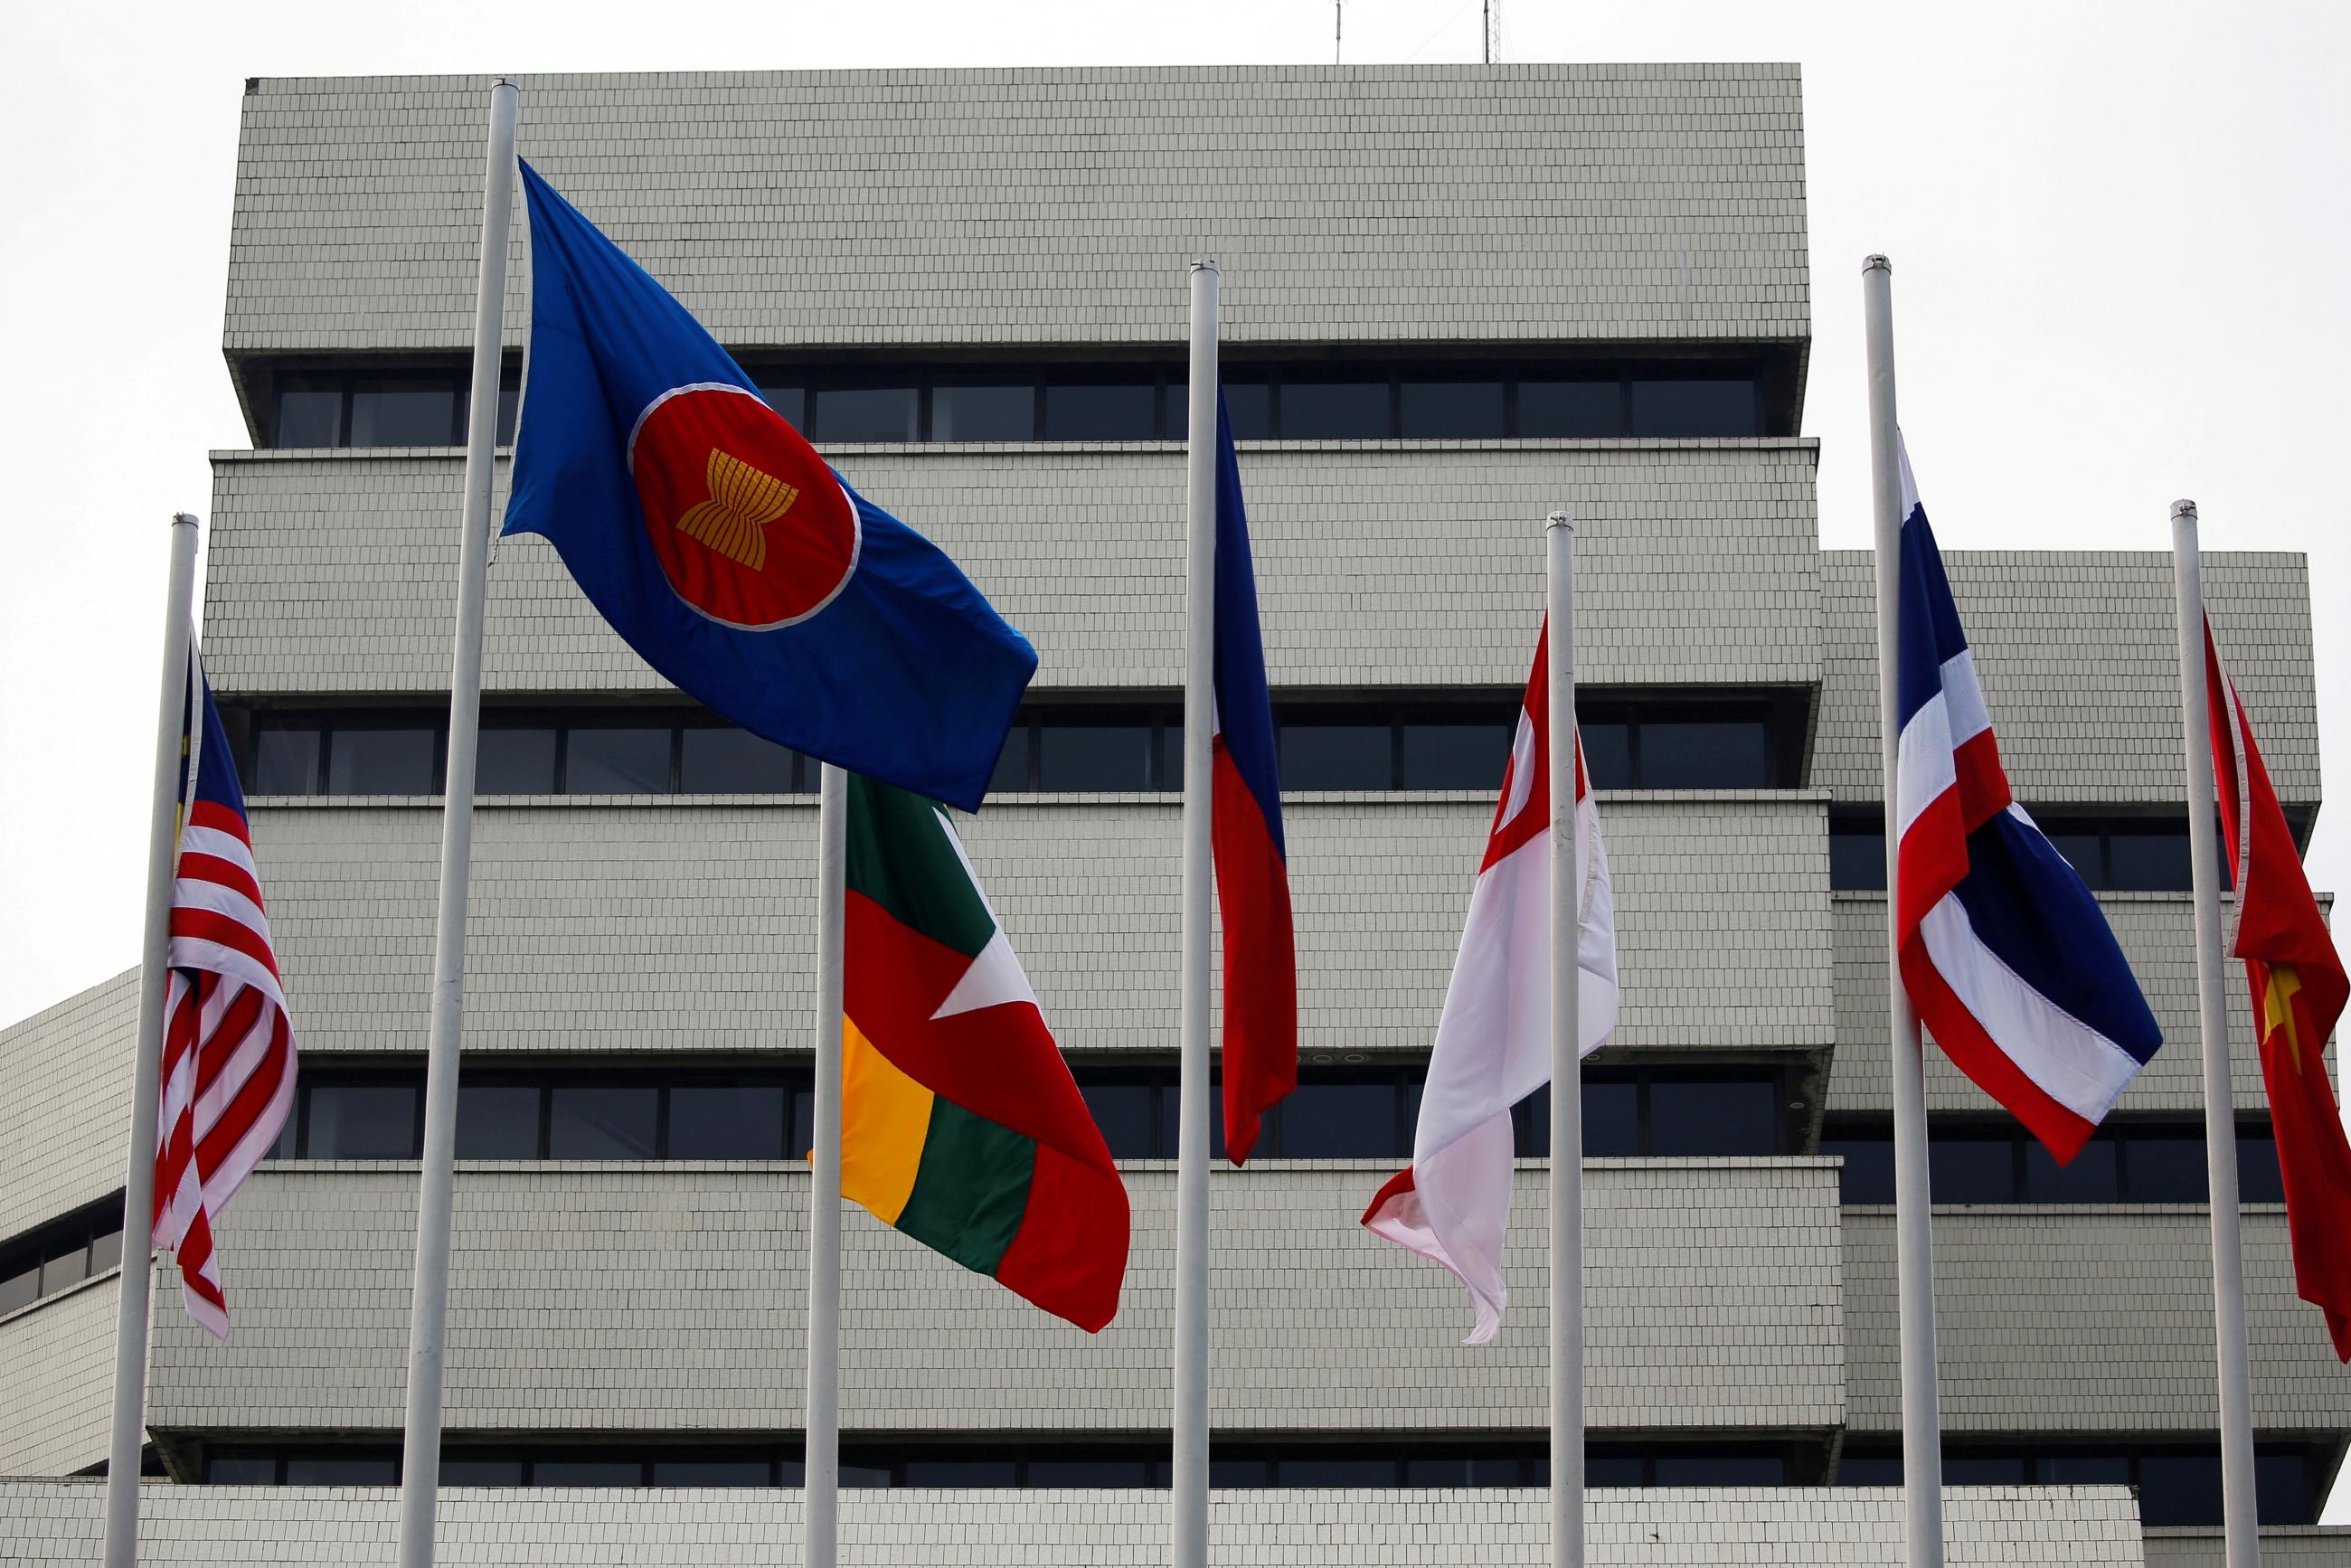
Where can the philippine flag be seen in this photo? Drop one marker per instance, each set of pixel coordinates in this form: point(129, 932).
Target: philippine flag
point(1260, 1056)
point(1493, 1040)
point(2005, 954)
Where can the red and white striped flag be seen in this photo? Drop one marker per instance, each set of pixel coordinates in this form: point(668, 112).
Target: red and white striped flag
point(228, 1049)
point(1452, 1204)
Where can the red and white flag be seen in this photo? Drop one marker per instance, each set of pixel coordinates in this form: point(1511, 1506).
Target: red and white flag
point(228, 1049)
point(1493, 1040)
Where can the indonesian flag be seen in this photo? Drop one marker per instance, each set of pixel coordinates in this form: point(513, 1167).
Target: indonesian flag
point(2299, 991)
point(1493, 1040)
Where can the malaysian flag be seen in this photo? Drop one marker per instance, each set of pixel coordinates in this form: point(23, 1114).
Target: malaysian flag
point(228, 1049)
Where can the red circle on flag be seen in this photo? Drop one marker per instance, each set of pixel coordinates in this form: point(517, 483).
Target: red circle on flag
point(749, 524)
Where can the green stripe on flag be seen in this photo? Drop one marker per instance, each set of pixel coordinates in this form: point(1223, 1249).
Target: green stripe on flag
point(900, 857)
point(971, 1190)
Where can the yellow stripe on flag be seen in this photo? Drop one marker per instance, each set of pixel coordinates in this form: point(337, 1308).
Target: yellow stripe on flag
point(885, 1118)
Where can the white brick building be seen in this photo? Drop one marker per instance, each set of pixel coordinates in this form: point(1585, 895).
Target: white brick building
point(1455, 298)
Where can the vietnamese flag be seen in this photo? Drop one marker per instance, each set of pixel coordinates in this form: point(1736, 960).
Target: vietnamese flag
point(2299, 989)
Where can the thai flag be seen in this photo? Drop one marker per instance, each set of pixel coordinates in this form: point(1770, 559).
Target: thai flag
point(1260, 1057)
point(2006, 955)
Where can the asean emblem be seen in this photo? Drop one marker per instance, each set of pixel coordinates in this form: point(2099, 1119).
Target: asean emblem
point(749, 526)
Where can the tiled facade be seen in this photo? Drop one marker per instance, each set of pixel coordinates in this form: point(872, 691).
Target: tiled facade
point(1598, 210)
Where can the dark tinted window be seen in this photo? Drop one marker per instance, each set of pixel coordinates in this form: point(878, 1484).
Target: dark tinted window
point(983, 413)
point(310, 411)
point(515, 761)
point(2258, 1180)
point(734, 761)
point(1580, 410)
point(1334, 757)
point(481, 1472)
point(1869, 1470)
point(1713, 1118)
point(1983, 1470)
point(381, 762)
point(728, 1122)
point(2095, 1176)
point(498, 1122)
point(2167, 1168)
point(1612, 1119)
point(362, 1122)
point(1094, 757)
point(105, 1251)
point(599, 762)
point(1608, 755)
point(959, 1472)
point(2086, 1469)
point(1249, 407)
point(2180, 1489)
point(67, 1264)
point(1335, 1472)
point(1868, 1175)
point(791, 401)
point(1126, 412)
point(1334, 411)
point(712, 1472)
point(864, 413)
point(1452, 411)
point(1132, 1473)
point(1453, 755)
point(2155, 861)
point(2281, 1490)
point(2084, 851)
point(405, 411)
point(1690, 408)
point(305, 1471)
point(1682, 754)
point(1857, 860)
point(285, 761)
point(587, 1473)
point(240, 1470)
point(601, 1123)
point(1341, 1120)
point(1613, 1470)
point(1012, 763)
point(1969, 1170)
point(1123, 1113)
point(1721, 1470)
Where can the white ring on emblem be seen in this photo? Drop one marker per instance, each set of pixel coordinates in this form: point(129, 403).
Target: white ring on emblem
point(856, 523)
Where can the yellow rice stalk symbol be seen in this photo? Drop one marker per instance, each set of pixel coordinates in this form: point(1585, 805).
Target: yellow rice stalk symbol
point(743, 502)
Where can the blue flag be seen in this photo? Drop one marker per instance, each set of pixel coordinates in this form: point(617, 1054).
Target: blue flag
point(726, 552)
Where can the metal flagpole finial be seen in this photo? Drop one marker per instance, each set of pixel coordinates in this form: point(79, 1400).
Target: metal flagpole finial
point(190, 518)
point(2183, 510)
point(1205, 264)
point(1561, 518)
point(1875, 262)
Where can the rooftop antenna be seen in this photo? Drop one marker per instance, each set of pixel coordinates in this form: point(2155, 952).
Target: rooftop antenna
point(1338, 28)
point(1493, 30)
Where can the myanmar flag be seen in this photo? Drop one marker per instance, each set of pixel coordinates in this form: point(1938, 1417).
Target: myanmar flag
point(960, 1124)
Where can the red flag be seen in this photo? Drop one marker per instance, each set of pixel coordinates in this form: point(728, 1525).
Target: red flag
point(2299, 989)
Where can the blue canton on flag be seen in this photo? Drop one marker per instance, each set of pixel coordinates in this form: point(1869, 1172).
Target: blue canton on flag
point(2006, 955)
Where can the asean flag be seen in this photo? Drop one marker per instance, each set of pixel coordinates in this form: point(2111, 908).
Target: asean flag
point(1261, 1055)
point(1452, 1204)
point(726, 552)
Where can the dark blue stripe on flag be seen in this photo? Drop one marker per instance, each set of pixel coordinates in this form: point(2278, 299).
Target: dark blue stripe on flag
point(1244, 707)
point(2032, 909)
point(1931, 634)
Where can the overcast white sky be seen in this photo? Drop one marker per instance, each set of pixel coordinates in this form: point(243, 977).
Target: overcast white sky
point(2117, 232)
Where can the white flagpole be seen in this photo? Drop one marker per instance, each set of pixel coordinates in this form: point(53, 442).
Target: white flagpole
point(1566, 1067)
point(420, 1476)
point(1190, 1496)
point(128, 1438)
point(820, 1455)
point(1922, 1444)
point(2242, 1530)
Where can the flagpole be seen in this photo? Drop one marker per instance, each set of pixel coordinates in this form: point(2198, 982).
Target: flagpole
point(419, 1475)
point(821, 1456)
point(1922, 1444)
point(2241, 1526)
point(128, 1438)
point(1190, 1496)
point(1566, 1066)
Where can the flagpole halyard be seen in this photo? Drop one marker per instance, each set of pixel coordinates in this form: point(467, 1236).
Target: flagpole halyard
point(133, 1316)
point(2241, 1530)
point(1922, 1457)
point(1566, 1063)
point(820, 1469)
point(429, 1306)
point(1189, 1498)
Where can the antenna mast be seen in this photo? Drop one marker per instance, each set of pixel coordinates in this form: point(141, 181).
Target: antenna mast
point(1338, 29)
point(1493, 31)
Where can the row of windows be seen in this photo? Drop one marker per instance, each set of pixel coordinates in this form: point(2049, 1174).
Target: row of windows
point(1139, 401)
point(2179, 1485)
point(1128, 1465)
point(1373, 744)
point(670, 1114)
point(2113, 854)
point(384, 408)
point(62, 1253)
point(2130, 1162)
